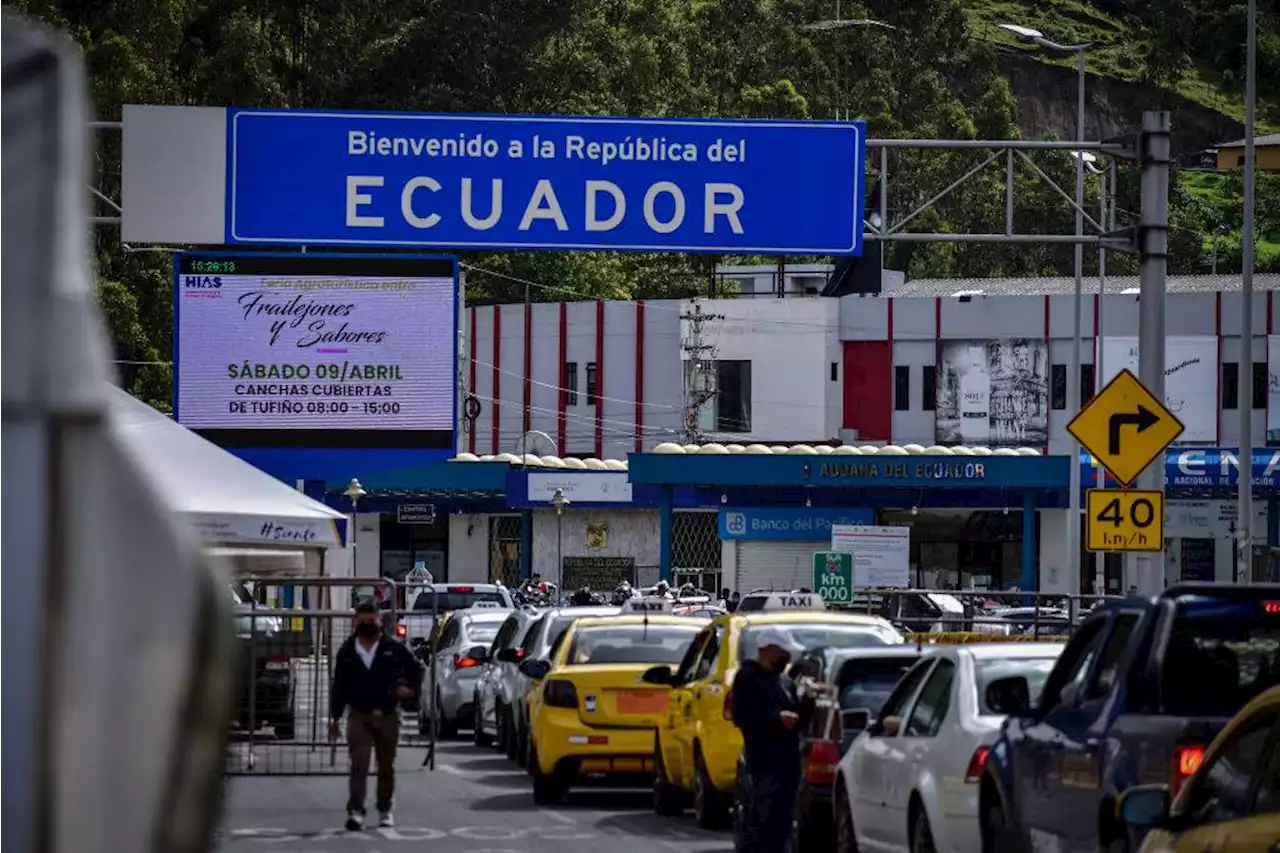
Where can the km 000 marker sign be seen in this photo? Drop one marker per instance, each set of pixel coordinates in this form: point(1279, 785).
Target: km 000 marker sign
point(1125, 520)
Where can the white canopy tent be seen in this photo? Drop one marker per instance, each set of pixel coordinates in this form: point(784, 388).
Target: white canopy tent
point(226, 500)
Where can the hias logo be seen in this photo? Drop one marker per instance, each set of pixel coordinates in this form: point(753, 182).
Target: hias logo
point(202, 282)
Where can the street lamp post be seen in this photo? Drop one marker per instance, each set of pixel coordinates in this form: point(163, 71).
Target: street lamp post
point(1073, 380)
point(354, 493)
point(559, 501)
point(842, 24)
point(1244, 549)
point(1106, 219)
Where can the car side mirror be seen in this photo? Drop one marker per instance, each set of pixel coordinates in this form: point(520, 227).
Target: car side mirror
point(536, 669)
point(855, 720)
point(1010, 696)
point(660, 674)
point(889, 726)
point(479, 654)
point(507, 656)
point(1144, 807)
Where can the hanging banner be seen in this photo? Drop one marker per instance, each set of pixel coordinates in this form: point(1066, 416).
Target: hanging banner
point(992, 392)
point(1190, 380)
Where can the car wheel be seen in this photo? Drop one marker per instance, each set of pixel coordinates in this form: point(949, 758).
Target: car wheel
point(513, 737)
point(921, 834)
point(548, 789)
point(997, 836)
point(477, 733)
point(499, 727)
point(446, 728)
point(668, 800)
point(846, 838)
point(708, 805)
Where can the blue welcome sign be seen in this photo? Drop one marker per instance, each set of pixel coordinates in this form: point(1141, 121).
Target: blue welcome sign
point(469, 181)
point(787, 524)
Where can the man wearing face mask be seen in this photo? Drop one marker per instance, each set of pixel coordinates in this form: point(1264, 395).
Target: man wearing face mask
point(372, 675)
point(767, 710)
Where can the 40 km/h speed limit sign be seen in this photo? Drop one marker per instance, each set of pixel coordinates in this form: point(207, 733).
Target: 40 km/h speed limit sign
point(1125, 519)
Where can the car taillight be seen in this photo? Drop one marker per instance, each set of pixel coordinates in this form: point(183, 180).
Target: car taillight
point(463, 662)
point(462, 589)
point(278, 662)
point(821, 762)
point(1186, 760)
point(520, 653)
point(402, 631)
point(728, 706)
point(979, 760)
point(559, 693)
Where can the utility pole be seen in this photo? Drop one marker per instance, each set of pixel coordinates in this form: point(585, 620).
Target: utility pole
point(700, 374)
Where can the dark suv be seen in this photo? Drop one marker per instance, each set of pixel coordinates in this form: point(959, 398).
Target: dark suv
point(263, 664)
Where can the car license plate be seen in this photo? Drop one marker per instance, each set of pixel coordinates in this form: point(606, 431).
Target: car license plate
point(642, 702)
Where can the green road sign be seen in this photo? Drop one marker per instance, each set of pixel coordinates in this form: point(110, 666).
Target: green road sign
point(833, 576)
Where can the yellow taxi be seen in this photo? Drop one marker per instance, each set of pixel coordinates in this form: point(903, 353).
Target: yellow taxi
point(590, 713)
point(1232, 802)
point(696, 748)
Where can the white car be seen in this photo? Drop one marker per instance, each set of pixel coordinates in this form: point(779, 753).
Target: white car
point(910, 780)
point(463, 648)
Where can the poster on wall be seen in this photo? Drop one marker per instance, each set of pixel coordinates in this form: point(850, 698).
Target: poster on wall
point(992, 392)
point(1190, 380)
point(1273, 389)
point(335, 349)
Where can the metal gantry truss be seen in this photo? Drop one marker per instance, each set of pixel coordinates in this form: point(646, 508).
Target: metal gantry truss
point(877, 226)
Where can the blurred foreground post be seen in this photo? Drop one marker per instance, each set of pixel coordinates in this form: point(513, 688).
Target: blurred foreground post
point(115, 634)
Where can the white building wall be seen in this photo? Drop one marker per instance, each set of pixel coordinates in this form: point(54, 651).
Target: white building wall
point(469, 548)
point(629, 533)
point(368, 540)
point(790, 344)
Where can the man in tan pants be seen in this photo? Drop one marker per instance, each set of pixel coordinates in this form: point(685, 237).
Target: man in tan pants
point(372, 675)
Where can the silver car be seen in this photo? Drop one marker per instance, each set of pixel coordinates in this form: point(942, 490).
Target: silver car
point(536, 645)
point(492, 700)
point(463, 648)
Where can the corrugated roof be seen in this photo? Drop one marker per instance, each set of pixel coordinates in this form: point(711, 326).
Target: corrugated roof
point(1269, 139)
point(1065, 285)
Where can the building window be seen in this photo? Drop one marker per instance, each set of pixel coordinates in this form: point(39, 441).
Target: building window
point(1230, 385)
point(720, 393)
point(1259, 384)
point(929, 391)
point(1058, 386)
point(1086, 384)
point(571, 383)
point(902, 388)
point(592, 387)
point(733, 396)
point(835, 371)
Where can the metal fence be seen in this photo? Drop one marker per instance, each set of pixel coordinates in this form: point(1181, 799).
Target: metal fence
point(285, 664)
point(973, 615)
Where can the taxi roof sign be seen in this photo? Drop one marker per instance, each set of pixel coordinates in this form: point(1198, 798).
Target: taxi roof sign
point(647, 605)
point(486, 605)
point(793, 601)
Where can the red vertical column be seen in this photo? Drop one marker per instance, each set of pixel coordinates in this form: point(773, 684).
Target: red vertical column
point(562, 398)
point(639, 375)
point(497, 373)
point(599, 379)
point(471, 383)
point(528, 364)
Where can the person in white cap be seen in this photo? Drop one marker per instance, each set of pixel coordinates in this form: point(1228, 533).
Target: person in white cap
point(768, 711)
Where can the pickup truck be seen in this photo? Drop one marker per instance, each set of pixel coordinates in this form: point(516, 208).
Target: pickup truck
point(1140, 691)
point(417, 622)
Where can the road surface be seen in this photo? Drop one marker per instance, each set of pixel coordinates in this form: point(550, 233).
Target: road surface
point(475, 801)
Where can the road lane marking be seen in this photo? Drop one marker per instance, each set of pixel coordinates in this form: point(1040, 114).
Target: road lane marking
point(558, 817)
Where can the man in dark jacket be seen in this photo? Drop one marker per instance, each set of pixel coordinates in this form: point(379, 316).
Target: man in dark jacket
point(767, 710)
point(372, 675)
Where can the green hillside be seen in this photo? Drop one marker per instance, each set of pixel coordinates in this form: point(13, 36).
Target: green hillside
point(1194, 47)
